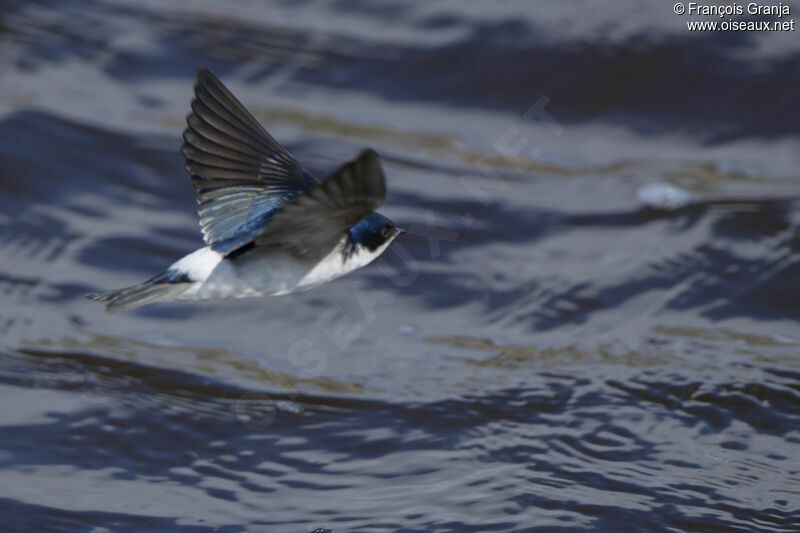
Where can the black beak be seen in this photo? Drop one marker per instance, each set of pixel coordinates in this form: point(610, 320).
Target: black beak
point(399, 231)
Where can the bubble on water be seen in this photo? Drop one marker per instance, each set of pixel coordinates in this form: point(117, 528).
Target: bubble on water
point(405, 330)
point(663, 196)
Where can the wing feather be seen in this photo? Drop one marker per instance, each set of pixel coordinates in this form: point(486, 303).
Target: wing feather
point(313, 224)
point(240, 172)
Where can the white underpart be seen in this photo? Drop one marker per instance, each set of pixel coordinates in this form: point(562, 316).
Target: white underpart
point(332, 265)
point(263, 273)
point(199, 264)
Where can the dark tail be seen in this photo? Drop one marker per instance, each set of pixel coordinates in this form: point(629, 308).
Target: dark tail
point(138, 295)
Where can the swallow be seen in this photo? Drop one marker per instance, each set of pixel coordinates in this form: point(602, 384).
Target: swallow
point(269, 226)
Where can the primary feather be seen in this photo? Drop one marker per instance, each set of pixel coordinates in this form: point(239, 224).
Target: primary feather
point(240, 172)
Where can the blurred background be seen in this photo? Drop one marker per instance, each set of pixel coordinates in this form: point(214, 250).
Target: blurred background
point(592, 324)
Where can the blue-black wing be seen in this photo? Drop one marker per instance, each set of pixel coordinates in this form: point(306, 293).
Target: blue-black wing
point(313, 224)
point(242, 175)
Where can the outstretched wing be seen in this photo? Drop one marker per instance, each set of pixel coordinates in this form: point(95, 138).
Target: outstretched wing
point(242, 175)
point(316, 221)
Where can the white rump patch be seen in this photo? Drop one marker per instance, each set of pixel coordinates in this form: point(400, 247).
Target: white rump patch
point(199, 264)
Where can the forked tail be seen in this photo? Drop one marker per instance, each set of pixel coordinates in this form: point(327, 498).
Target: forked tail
point(132, 297)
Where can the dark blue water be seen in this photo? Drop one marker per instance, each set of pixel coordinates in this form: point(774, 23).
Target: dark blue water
point(592, 324)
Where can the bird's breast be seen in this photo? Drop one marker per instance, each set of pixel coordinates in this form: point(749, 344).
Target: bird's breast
point(337, 263)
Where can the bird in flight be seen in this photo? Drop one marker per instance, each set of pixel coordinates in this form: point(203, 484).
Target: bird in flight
point(270, 228)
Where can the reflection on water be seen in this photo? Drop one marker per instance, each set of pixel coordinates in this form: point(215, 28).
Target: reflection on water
point(591, 324)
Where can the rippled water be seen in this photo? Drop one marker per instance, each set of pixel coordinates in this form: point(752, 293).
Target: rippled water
point(592, 324)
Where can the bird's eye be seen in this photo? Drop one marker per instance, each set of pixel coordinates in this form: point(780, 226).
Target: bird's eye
point(385, 232)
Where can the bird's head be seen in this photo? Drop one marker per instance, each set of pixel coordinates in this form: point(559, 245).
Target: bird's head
point(375, 232)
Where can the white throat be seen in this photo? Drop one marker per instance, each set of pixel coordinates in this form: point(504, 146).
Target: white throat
point(335, 264)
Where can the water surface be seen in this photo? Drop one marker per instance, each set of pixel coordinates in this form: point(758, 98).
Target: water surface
point(591, 325)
